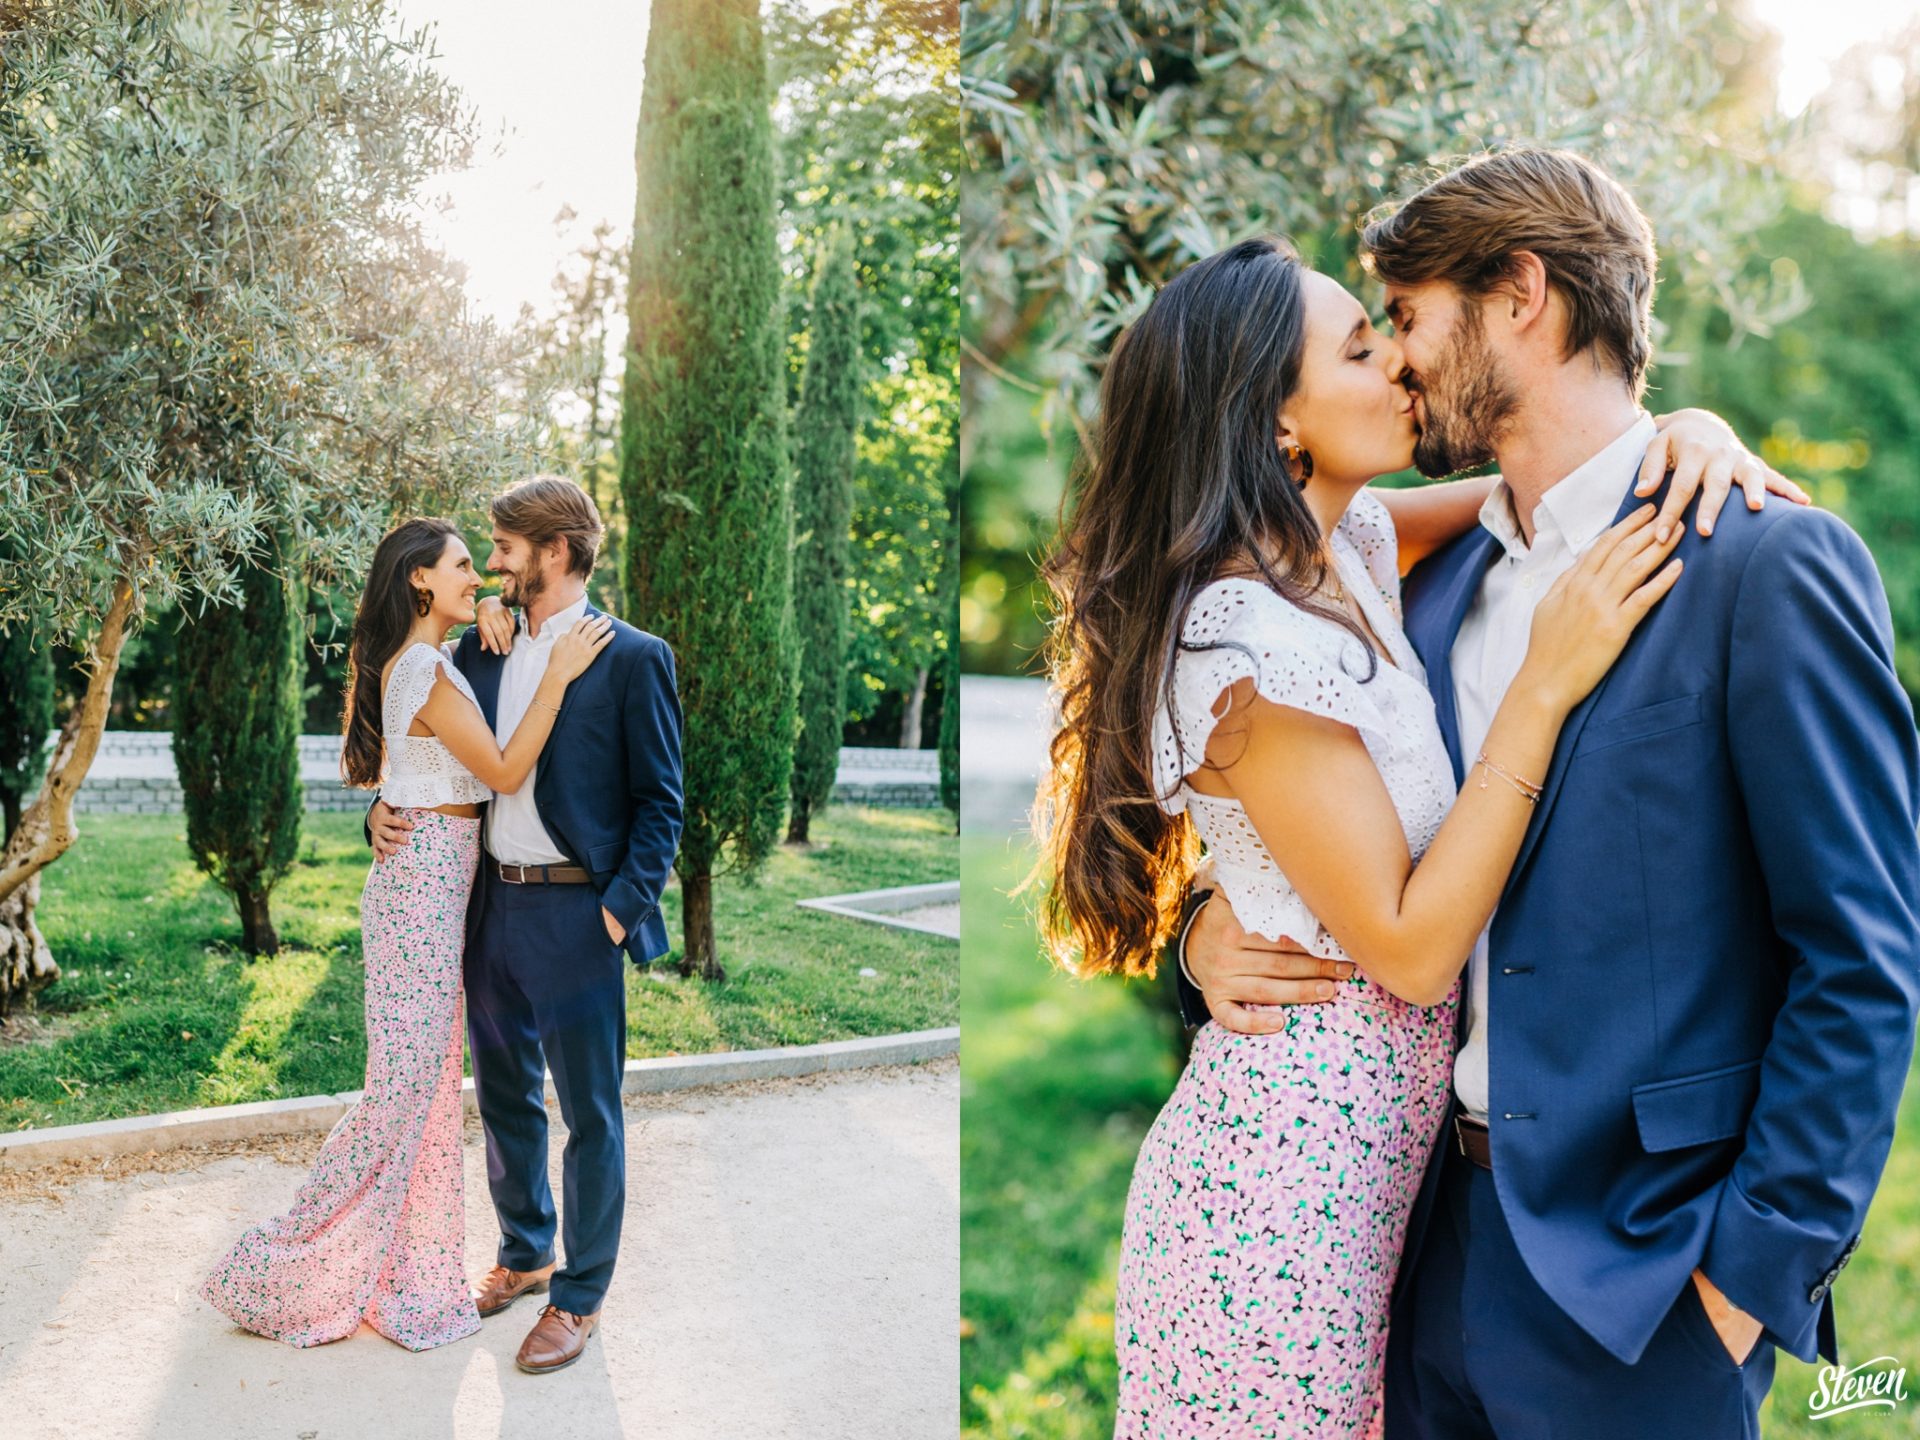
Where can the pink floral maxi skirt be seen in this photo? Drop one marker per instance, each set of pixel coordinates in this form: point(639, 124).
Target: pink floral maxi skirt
point(377, 1230)
point(1265, 1221)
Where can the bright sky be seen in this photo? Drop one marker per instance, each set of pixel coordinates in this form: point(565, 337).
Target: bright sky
point(563, 77)
point(1818, 32)
point(565, 84)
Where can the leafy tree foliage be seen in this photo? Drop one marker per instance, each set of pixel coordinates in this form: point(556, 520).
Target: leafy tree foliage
point(219, 323)
point(1831, 399)
point(867, 139)
point(823, 497)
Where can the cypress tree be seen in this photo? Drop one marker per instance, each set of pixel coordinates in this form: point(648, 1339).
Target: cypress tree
point(950, 732)
point(236, 706)
point(703, 462)
point(825, 423)
point(26, 717)
point(950, 684)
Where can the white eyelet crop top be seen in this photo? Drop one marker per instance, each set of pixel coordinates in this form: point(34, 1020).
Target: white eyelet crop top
point(1238, 629)
point(421, 771)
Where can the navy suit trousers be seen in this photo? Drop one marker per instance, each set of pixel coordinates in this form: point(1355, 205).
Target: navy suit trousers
point(1477, 1349)
point(545, 991)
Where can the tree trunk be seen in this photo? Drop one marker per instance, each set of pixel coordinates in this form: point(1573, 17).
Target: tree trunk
point(26, 964)
point(702, 958)
point(798, 818)
point(45, 828)
point(916, 710)
point(257, 935)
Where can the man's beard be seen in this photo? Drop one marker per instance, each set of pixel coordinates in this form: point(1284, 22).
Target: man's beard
point(526, 589)
point(1465, 400)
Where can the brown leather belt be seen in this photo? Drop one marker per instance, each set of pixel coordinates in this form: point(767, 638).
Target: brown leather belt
point(1476, 1141)
point(539, 874)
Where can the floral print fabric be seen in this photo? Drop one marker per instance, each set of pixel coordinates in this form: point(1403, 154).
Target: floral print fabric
point(1266, 1218)
point(1270, 1199)
point(377, 1230)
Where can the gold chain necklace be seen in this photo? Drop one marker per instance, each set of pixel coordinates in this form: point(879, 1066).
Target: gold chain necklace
point(1337, 590)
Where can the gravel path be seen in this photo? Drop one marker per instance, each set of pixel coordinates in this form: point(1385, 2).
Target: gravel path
point(789, 1267)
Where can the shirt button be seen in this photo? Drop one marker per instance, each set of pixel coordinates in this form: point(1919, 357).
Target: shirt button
point(1528, 583)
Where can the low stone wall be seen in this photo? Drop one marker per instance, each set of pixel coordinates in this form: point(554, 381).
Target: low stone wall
point(134, 775)
point(873, 776)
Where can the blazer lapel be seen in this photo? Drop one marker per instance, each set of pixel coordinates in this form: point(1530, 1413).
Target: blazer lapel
point(1441, 615)
point(1569, 736)
point(566, 704)
point(483, 674)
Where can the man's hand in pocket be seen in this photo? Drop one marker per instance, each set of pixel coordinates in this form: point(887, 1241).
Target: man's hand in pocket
point(1738, 1330)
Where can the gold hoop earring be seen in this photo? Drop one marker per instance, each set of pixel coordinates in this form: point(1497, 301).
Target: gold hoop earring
point(422, 601)
point(1298, 457)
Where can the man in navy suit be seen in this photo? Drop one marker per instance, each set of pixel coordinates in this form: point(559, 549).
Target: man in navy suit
point(1686, 1030)
point(571, 875)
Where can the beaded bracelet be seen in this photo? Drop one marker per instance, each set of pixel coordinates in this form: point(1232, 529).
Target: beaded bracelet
point(1528, 791)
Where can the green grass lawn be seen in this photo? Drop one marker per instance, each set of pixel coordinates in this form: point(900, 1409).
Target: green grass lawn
point(1060, 1080)
point(157, 1010)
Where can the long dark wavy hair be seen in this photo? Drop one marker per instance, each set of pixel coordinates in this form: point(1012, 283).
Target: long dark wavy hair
point(380, 629)
point(1184, 484)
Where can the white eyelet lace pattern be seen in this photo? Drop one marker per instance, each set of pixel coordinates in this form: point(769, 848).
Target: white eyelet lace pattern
point(1312, 664)
point(421, 770)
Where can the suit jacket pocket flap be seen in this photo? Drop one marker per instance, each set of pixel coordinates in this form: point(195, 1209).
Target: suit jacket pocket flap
point(1696, 1109)
point(1639, 723)
point(602, 858)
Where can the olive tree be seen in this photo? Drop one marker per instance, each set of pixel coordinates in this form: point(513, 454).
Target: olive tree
point(219, 322)
point(1114, 141)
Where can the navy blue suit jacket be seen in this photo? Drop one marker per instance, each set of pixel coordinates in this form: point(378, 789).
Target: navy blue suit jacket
point(608, 781)
point(1706, 964)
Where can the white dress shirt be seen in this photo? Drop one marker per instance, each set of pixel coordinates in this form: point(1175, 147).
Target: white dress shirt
point(1492, 643)
point(515, 835)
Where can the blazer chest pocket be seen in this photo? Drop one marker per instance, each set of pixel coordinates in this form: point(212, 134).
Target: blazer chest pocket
point(1639, 723)
point(599, 713)
point(1696, 1109)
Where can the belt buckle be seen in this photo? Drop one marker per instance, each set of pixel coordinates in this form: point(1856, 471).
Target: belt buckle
point(519, 876)
point(1462, 1122)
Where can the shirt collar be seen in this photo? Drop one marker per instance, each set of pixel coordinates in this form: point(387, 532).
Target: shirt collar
point(1580, 505)
point(559, 622)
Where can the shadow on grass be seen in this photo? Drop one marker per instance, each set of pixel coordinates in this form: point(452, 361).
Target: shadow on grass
point(797, 977)
point(156, 1009)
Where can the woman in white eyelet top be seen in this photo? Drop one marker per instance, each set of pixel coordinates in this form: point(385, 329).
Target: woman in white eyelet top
point(376, 1232)
point(421, 771)
point(1241, 630)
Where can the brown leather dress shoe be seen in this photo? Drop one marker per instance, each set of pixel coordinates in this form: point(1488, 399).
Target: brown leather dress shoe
point(503, 1286)
point(555, 1341)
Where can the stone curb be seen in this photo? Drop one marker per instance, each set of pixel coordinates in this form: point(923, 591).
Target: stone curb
point(137, 1134)
point(877, 907)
